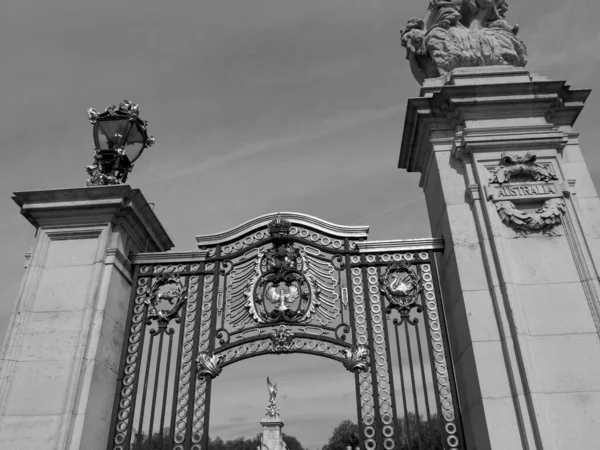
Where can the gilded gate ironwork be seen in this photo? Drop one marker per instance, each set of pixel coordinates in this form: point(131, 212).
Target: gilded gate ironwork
point(285, 283)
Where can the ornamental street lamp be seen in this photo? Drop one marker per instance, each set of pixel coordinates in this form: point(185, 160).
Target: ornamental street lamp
point(120, 137)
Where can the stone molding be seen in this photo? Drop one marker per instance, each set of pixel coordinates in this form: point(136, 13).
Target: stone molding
point(91, 206)
point(450, 106)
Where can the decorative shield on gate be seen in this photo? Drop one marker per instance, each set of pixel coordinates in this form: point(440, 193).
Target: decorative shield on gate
point(287, 284)
point(401, 286)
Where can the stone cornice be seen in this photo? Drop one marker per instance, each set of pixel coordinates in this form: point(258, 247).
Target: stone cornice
point(532, 137)
point(94, 206)
point(448, 107)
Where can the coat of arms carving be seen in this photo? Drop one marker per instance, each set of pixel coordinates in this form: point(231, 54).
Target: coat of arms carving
point(401, 287)
point(283, 284)
point(521, 179)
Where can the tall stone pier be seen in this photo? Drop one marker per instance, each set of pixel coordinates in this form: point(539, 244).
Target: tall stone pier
point(60, 360)
point(508, 190)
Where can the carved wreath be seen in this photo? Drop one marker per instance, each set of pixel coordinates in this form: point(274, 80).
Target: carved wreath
point(542, 220)
point(510, 166)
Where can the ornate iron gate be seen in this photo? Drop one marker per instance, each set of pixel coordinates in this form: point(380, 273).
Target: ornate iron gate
point(285, 283)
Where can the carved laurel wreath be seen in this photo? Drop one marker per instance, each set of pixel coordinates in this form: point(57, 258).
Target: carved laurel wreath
point(542, 220)
point(510, 166)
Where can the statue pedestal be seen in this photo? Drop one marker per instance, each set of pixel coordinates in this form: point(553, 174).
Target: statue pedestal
point(60, 360)
point(272, 438)
point(522, 312)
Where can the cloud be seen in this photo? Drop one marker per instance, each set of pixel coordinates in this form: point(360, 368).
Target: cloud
point(237, 419)
point(331, 125)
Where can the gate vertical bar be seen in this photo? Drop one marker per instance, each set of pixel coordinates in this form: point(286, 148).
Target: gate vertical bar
point(388, 339)
point(366, 397)
point(197, 278)
point(379, 367)
point(376, 433)
point(122, 365)
point(351, 312)
point(206, 344)
point(182, 374)
point(452, 379)
point(442, 370)
point(192, 337)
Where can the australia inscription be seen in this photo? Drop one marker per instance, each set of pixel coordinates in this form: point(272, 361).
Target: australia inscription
point(537, 186)
point(522, 191)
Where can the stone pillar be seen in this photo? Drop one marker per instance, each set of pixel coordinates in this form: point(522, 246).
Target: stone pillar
point(272, 439)
point(61, 356)
point(522, 305)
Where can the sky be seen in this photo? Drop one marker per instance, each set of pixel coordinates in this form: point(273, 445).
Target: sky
point(257, 106)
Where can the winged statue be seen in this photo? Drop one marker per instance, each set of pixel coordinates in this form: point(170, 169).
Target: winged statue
point(272, 387)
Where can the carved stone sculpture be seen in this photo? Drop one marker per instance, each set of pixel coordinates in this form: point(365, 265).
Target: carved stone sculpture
point(523, 179)
point(461, 33)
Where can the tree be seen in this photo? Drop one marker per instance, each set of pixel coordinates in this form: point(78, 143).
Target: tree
point(345, 434)
point(141, 441)
point(414, 432)
point(250, 444)
point(291, 442)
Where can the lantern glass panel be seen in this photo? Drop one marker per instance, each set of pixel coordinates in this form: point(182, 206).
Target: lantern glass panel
point(110, 133)
point(135, 143)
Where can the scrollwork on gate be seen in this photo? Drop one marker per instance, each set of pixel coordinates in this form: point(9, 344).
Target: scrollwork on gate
point(175, 296)
point(209, 365)
point(356, 358)
point(281, 284)
point(282, 340)
point(401, 287)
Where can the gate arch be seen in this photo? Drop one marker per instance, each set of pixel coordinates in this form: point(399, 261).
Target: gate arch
point(285, 283)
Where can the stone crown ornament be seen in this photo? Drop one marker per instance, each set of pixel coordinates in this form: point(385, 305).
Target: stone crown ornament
point(279, 227)
point(461, 33)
